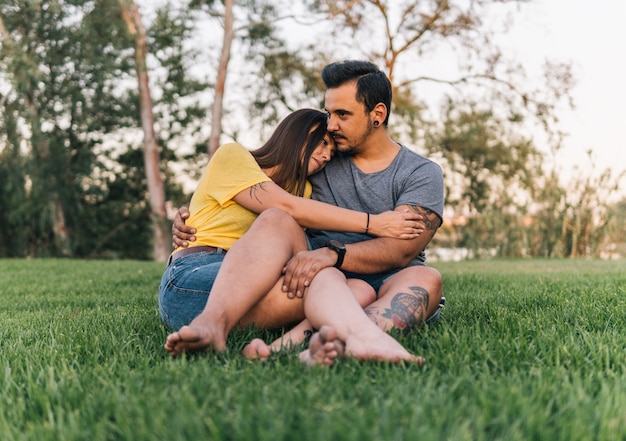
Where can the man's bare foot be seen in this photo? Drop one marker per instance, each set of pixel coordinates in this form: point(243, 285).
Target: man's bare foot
point(194, 338)
point(324, 348)
point(257, 349)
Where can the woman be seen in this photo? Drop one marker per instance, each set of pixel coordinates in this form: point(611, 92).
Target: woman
point(235, 187)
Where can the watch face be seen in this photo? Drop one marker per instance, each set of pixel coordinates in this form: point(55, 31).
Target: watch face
point(336, 245)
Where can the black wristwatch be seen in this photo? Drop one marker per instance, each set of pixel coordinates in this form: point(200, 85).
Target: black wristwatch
point(340, 249)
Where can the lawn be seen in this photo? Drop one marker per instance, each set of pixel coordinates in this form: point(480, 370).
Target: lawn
point(526, 350)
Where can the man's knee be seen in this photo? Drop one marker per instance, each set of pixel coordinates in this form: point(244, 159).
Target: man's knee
point(435, 281)
point(417, 277)
point(423, 276)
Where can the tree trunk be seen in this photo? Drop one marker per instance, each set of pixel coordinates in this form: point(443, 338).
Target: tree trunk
point(156, 189)
point(41, 150)
point(216, 113)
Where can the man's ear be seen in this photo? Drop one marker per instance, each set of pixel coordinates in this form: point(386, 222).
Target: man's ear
point(379, 113)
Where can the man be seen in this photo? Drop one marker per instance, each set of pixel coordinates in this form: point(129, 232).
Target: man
point(372, 173)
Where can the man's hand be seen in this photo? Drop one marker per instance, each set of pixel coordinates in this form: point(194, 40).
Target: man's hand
point(302, 267)
point(182, 234)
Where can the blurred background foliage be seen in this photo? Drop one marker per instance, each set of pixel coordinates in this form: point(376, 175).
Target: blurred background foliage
point(75, 128)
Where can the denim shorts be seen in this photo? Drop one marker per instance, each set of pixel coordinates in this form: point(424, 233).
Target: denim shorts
point(185, 287)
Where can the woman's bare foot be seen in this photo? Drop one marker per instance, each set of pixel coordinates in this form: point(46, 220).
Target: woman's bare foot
point(324, 348)
point(194, 338)
point(380, 347)
point(257, 349)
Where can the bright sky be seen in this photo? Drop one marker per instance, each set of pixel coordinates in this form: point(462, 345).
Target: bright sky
point(592, 35)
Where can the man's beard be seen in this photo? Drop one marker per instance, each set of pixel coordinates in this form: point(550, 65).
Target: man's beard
point(352, 149)
point(344, 149)
point(349, 150)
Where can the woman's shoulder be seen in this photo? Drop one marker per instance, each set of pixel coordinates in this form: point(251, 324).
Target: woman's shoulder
point(230, 148)
point(232, 152)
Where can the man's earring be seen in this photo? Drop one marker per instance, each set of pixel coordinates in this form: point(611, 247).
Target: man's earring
point(376, 123)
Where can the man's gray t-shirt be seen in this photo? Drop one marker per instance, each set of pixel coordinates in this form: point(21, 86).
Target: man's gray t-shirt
point(410, 179)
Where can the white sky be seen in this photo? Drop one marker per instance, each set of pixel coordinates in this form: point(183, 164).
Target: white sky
point(592, 34)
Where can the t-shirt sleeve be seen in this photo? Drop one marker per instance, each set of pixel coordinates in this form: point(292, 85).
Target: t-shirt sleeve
point(232, 170)
point(424, 188)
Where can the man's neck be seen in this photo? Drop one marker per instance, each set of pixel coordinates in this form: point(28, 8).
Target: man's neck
point(377, 154)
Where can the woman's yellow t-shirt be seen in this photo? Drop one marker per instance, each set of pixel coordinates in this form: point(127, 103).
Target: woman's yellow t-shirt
point(218, 219)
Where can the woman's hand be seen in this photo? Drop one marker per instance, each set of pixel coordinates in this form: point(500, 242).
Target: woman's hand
point(401, 224)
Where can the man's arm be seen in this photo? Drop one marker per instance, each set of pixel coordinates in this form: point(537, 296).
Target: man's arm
point(372, 256)
point(385, 254)
point(182, 233)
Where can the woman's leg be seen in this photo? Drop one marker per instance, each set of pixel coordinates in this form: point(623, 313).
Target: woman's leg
point(331, 308)
point(258, 349)
point(251, 269)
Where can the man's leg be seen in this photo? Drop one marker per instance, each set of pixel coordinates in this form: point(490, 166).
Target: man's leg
point(250, 270)
point(330, 306)
point(407, 299)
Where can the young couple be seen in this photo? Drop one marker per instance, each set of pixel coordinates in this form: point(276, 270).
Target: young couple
point(277, 273)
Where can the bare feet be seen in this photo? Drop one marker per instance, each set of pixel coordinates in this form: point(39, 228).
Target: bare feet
point(326, 347)
point(194, 338)
point(257, 349)
point(382, 347)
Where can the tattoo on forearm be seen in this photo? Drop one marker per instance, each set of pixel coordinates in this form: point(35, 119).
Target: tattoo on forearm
point(430, 218)
point(253, 191)
point(408, 310)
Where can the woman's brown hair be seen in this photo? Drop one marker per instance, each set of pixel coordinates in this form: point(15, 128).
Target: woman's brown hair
point(290, 147)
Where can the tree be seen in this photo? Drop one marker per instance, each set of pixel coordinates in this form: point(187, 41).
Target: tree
point(484, 156)
point(255, 27)
point(616, 243)
point(58, 65)
point(66, 76)
point(550, 205)
point(220, 85)
point(588, 218)
point(156, 190)
point(41, 144)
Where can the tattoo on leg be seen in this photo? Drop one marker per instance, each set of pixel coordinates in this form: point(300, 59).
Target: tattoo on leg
point(408, 310)
point(372, 313)
point(308, 334)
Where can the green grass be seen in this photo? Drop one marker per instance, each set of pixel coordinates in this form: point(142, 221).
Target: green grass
point(526, 350)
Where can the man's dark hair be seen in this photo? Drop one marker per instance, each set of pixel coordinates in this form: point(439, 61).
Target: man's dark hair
point(372, 85)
